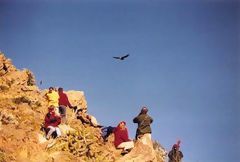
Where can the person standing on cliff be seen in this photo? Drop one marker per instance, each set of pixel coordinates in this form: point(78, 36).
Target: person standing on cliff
point(175, 155)
point(52, 98)
point(143, 120)
point(63, 103)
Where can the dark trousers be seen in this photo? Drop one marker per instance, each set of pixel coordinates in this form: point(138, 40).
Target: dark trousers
point(63, 113)
point(62, 110)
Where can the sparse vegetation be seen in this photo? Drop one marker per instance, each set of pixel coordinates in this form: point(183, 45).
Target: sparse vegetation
point(158, 147)
point(22, 99)
point(4, 88)
point(31, 79)
point(10, 82)
point(22, 111)
point(37, 104)
point(83, 143)
point(2, 157)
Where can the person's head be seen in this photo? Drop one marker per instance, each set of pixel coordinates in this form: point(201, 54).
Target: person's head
point(50, 89)
point(122, 125)
point(175, 147)
point(144, 110)
point(60, 89)
point(51, 109)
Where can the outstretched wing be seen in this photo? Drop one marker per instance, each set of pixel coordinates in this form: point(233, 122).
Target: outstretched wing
point(123, 57)
point(117, 57)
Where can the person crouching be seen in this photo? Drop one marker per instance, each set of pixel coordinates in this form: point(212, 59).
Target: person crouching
point(121, 140)
point(51, 123)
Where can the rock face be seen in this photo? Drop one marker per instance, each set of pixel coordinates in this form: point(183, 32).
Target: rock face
point(144, 151)
point(20, 115)
point(22, 112)
point(77, 98)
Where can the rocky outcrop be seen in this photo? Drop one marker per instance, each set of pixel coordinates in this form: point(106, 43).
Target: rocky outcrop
point(22, 111)
point(77, 98)
point(144, 151)
point(6, 65)
point(19, 119)
point(12, 78)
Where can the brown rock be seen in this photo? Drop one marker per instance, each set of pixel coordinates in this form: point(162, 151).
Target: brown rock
point(77, 98)
point(22, 111)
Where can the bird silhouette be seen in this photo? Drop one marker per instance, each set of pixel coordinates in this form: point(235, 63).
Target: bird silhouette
point(122, 57)
point(41, 82)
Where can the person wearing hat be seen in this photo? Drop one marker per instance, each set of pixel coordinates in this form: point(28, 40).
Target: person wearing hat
point(175, 155)
point(143, 120)
point(51, 123)
point(121, 139)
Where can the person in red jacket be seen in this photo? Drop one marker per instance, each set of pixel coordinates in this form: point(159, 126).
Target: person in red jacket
point(121, 140)
point(63, 103)
point(51, 123)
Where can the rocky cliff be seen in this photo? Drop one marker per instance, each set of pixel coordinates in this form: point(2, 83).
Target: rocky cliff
point(22, 111)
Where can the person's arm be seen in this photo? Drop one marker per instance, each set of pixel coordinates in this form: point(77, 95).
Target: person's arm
point(128, 139)
point(55, 121)
point(58, 120)
point(68, 103)
point(47, 120)
point(181, 154)
point(135, 120)
point(170, 155)
point(151, 119)
point(46, 96)
point(124, 136)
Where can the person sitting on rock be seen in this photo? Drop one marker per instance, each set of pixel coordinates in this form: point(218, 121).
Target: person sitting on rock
point(86, 118)
point(51, 123)
point(143, 120)
point(175, 155)
point(52, 98)
point(63, 102)
point(121, 140)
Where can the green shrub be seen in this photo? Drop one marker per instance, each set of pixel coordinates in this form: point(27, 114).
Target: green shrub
point(31, 79)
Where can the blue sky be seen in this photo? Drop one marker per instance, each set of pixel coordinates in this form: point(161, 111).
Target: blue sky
point(183, 65)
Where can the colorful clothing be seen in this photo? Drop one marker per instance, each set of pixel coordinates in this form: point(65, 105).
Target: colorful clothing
point(51, 124)
point(52, 98)
point(51, 119)
point(120, 136)
point(63, 100)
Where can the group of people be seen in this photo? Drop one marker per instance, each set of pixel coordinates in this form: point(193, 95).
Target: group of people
point(58, 102)
point(121, 139)
point(143, 133)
